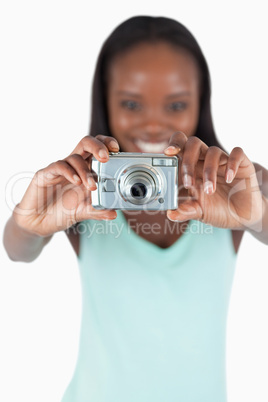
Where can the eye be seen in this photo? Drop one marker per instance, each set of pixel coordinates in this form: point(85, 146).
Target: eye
point(176, 106)
point(131, 105)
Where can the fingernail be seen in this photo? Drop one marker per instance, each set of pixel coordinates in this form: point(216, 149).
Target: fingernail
point(76, 178)
point(230, 176)
point(208, 187)
point(91, 183)
point(114, 144)
point(171, 148)
point(108, 217)
point(188, 181)
point(172, 219)
point(103, 154)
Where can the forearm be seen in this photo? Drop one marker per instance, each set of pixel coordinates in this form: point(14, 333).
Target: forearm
point(260, 231)
point(21, 245)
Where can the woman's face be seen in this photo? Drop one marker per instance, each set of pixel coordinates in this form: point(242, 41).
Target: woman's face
point(153, 92)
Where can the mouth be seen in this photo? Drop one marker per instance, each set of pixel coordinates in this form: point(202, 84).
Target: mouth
point(151, 147)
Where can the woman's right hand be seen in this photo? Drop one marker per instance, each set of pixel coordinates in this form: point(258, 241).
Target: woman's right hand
point(60, 194)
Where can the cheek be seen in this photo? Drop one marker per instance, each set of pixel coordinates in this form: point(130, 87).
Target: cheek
point(189, 121)
point(119, 124)
point(116, 119)
point(187, 124)
point(121, 120)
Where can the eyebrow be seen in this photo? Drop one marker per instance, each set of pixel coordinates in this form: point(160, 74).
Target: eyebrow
point(138, 96)
point(178, 94)
point(128, 93)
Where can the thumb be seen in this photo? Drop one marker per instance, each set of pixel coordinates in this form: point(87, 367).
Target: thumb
point(186, 210)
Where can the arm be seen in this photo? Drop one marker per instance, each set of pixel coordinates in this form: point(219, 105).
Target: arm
point(20, 244)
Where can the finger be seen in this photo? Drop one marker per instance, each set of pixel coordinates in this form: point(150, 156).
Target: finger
point(103, 214)
point(53, 173)
point(237, 158)
point(176, 143)
point(82, 170)
point(92, 146)
point(214, 157)
point(194, 150)
point(89, 212)
point(186, 211)
point(110, 142)
point(97, 214)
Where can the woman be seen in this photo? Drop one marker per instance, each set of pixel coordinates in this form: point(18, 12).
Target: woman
point(155, 302)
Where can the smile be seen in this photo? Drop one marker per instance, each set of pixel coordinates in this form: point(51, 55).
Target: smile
point(153, 147)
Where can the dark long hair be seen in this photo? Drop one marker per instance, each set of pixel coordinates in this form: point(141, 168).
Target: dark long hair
point(150, 29)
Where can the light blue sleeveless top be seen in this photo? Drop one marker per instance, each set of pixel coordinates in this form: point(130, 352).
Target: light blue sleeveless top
point(153, 320)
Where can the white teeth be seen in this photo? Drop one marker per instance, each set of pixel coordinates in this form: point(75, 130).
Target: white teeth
point(153, 147)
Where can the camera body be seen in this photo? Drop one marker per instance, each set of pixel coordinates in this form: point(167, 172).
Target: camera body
point(136, 181)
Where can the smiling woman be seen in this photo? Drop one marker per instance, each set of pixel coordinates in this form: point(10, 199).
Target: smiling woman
point(155, 284)
point(127, 46)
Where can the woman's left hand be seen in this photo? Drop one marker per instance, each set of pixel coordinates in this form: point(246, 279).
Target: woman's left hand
point(223, 189)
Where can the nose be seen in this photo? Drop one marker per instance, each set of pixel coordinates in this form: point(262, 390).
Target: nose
point(154, 129)
point(154, 124)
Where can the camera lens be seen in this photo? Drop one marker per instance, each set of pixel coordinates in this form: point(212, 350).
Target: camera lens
point(139, 184)
point(138, 190)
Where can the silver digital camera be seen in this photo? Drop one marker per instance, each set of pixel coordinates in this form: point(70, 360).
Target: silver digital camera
point(136, 181)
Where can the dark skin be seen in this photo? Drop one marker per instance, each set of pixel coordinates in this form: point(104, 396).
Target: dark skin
point(153, 104)
point(154, 93)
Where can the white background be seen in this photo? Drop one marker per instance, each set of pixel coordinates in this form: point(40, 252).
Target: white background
point(48, 54)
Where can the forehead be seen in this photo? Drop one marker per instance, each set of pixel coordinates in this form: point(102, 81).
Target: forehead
point(148, 63)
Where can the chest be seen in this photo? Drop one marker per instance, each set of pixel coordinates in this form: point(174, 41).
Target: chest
point(155, 227)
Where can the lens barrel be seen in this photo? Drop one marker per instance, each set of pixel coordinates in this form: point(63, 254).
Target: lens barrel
point(139, 185)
